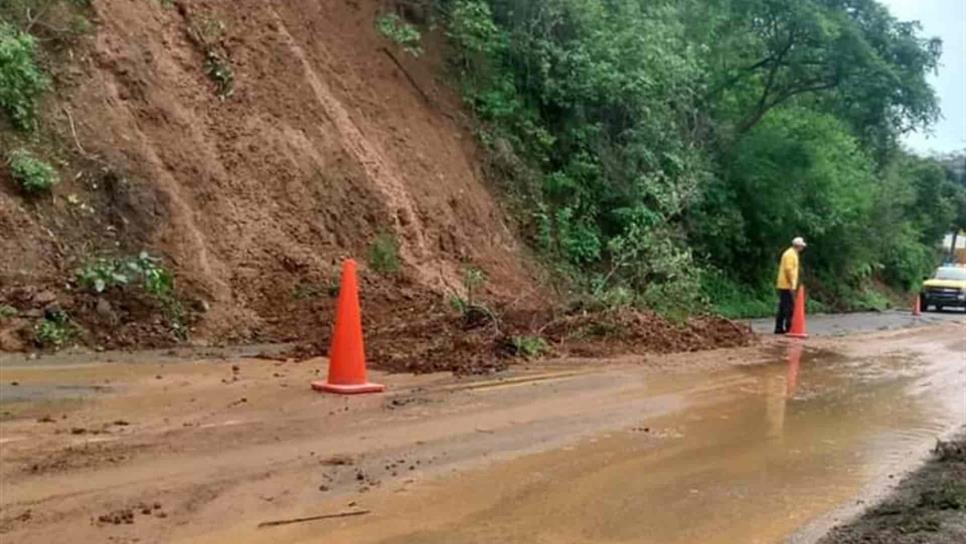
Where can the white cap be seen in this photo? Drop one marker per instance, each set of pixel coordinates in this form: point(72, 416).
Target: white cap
point(799, 242)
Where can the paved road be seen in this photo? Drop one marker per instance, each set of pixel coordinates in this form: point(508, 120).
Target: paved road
point(841, 324)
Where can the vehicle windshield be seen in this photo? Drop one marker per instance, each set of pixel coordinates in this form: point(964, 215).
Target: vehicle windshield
point(955, 274)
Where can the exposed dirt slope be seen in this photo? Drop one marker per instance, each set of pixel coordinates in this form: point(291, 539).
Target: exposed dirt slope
point(325, 143)
point(331, 138)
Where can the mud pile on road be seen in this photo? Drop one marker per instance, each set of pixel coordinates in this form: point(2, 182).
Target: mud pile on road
point(123, 318)
point(428, 335)
point(928, 506)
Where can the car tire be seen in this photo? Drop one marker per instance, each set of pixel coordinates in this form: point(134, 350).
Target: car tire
point(939, 308)
point(923, 303)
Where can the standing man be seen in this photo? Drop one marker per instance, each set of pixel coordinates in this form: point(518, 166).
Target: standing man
point(787, 284)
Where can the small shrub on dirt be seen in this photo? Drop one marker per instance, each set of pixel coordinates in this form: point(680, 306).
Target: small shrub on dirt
point(473, 279)
point(209, 35)
point(400, 32)
point(33, 175)
point(472, 312)
point(21, 79)
point(219, 70)
point(7, 311)
point(948, 496)
point(102, 274)
point(145, 271)
point(54, 331)
point(529, 347)
point(919, 522)
point(384, 254)
point(304, 291)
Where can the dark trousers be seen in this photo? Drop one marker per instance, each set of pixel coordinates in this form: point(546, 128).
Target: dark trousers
point(783, 321)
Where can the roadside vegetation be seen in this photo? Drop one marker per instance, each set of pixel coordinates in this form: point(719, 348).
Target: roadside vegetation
point(663, 154)
point(31, 174)
point(21, 80)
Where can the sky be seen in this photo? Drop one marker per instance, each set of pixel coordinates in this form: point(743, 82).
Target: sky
point(947, 20)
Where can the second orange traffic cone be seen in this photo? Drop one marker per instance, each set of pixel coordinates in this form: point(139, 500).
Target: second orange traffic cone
point(798, 318)
point(347, 358)
point(917, 307)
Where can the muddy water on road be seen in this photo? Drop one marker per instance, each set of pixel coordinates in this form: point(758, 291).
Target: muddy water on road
point(788, 442)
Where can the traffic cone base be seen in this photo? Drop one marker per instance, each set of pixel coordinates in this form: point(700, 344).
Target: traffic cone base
point(347, 358)
point(348, 389)
point(798, 318)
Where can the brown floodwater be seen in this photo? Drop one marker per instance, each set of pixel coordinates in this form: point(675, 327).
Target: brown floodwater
point(776, 448)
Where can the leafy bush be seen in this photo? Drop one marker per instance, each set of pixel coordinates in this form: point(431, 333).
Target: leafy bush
point(21, 79)
point(143, 271)
point(384, 254)
point(102, 274)
point(737, 301)
point(402, 33)
point(529, 346)
point(469, 307)
point(54, 331)
point(219, 70)
point(870, 300)
point(314, 290)
point(7, 311)
point(32, 174)
point(208, 35)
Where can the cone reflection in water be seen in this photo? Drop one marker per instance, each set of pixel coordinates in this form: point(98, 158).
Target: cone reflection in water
point(775, 404)
point(791, 375)
point(347, 358)
point(780, 388)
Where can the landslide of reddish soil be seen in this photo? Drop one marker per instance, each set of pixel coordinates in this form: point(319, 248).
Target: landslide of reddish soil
point(326, 143)
point(332, 138)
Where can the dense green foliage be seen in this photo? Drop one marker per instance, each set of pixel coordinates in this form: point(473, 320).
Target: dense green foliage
point(32, 174)
point(665, 152)
point(21, 80)
point(400, 32)
point(54, 331)
point(102, 274)
point(142, 272)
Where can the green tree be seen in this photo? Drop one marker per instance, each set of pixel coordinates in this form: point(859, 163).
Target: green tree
point(851, 55)
point(798, 172)
point(641, 137)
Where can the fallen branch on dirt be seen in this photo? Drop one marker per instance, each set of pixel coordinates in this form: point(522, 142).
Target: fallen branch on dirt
point(73, 132)
point(312, 518)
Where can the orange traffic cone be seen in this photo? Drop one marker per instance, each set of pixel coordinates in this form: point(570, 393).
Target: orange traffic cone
point(798, 318)
point(347, 358)
point(917, 307)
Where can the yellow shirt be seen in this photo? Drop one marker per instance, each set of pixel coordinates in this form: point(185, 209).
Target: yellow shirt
point(788, 270)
